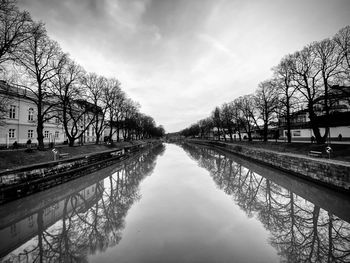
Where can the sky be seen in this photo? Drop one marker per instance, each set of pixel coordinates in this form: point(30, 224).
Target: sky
point(181, 58)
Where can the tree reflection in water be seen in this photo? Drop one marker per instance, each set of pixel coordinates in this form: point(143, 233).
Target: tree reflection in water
point(300, 230)
point(85, 222)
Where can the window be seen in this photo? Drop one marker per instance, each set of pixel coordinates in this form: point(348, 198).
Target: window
point(11, 133)
point(46, 134)
point(57, 120)
point(12, 112)
point(30, 114)
point(57, 134)
point(30, 133)
point(296, 133)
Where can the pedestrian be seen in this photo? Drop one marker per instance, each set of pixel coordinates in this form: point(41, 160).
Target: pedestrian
point(340, 137)
point(29, 144)
point(15, 145)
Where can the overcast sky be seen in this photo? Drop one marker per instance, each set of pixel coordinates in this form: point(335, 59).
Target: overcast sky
point(181, 58)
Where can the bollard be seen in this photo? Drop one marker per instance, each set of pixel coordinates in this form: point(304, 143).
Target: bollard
point(55, 152)
point(329, 150)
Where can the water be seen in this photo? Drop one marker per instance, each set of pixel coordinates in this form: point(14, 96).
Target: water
point(179, 204)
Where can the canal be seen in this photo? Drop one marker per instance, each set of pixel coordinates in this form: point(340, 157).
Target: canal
point(179, 203)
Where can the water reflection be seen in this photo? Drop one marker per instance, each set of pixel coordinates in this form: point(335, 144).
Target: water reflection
point(71, 221)
point(306, 223)
point(183, 215)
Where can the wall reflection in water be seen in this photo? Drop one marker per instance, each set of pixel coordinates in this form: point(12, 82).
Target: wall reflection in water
point(71, 221)
point(306, 223)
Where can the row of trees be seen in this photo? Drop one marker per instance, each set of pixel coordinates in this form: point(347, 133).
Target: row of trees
point(60, 88)
point(307, 79)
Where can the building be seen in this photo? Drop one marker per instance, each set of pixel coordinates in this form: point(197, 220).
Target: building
point(18, 120)
point(338, 123)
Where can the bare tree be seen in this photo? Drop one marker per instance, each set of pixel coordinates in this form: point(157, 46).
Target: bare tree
point(74, 110)
point(342, 39)
point(307, 77)
point(227, 118)
point(40, 58)
point(328, 61)
point(5, 99)
point(286, 89)
point(247, 111)
point(216, 117)
point(315, 77)
point(96, 87)
point(266, 103)
point(129, 112)
point(118, 109)
point(205, 127)
point(114, 96)
point(15, 28)
point(237, 116)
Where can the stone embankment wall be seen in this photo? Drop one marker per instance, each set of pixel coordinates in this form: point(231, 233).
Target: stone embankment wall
point(16, 183)
point(332, 173)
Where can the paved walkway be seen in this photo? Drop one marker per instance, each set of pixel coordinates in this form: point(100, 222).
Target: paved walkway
point(332, 142)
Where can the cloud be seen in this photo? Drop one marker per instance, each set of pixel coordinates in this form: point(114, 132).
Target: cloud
point(217, 44)
point(181, 58)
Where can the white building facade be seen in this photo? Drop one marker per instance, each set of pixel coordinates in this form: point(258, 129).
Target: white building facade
point(19, 121)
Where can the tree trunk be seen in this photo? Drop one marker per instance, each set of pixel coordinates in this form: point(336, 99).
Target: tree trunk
point(71, 141)
point(250, 136)
point(289, 135)
point(239, 134)
point(65, 124)
point(265, 132)
point(96, 131)
point(314, 125)
point(266, 126)
point(224, 134)
point(118, 137)
point(230, 132)
point(40, 124)
point(218, 133)
point(39, 130)
point(326, 107)
point(97, 138)
point(111, 129)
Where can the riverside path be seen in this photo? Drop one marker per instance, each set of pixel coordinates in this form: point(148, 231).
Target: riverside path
point(179, 203)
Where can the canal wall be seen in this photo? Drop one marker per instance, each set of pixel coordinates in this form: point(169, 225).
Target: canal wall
point(335, 202)
point(331, 173)
point(23, 181)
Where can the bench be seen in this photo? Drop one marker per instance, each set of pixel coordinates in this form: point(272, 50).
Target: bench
point(63, 155)
point(117, 153)
point(58, 155)
point(315, 154)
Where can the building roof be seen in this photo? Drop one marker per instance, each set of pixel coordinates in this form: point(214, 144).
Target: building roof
point(15, 91)
point(88, 106)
